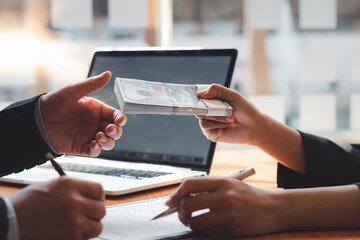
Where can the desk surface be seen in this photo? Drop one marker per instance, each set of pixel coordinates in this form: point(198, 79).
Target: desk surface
point(227, 160)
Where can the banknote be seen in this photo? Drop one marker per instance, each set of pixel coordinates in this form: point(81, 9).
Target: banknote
point(147, 97)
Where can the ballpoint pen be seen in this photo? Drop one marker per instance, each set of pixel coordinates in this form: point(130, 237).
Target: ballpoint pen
point(56, 166)
point(240, 176)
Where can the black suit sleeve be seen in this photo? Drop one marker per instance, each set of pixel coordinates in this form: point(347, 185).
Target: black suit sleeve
point(21, 144)
point(327, 164)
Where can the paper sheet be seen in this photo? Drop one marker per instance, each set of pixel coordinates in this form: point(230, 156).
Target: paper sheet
point(128, 14)
point(67, 14)
point(318, 112)
point(264, 14)
point(354, 111)
point(355, 64)
point(272, 105)
point(318, 64)
point(133, 221)
point(318, 14)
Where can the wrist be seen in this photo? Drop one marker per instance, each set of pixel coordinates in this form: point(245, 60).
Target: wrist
point(281, 142)
point(262, 129)
point(281, 210)
point(319, 208)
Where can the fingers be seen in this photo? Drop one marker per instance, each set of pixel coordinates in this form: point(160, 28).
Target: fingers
point(113, 115)
point(217, 119)
point(111, 130)
point(209, 125)
point(213, 129)
point(190, 204)
point(120, 119)
point(106, 139)
point(91, 190)
point(102, 140)
point(112, 121)
point(216, 91)
point(207, 221)
point(93, 150)
point(91, 228)
point(94, 209)
point(88, 86)
point(105, 142)
point(192, 185)
point(94, 212)
point(213, 135)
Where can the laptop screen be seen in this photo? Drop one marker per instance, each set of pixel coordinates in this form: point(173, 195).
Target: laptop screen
point(171, 140)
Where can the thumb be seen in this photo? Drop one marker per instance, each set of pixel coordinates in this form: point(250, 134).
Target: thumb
point(217, 91)
point(89, 85)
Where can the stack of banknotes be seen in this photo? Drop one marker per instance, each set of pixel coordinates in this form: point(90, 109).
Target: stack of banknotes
point(144, 97)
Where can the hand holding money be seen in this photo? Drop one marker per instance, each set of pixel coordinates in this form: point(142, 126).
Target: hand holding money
point(145, 97)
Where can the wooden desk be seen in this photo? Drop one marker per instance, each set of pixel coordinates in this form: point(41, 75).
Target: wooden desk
point(227, 160)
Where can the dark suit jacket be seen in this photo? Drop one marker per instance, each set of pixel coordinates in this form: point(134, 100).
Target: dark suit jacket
point(21, 145)
point(327, 164)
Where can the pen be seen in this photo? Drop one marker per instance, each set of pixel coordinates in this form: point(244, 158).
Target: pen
point(240, 176)
point(56, 166)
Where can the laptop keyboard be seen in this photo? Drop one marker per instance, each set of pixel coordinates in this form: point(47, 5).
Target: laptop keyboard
point(109, 171)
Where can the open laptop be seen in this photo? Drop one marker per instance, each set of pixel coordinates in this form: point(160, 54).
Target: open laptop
point(154, 150)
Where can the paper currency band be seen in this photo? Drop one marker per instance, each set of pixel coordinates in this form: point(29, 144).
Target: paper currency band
point(216, 107)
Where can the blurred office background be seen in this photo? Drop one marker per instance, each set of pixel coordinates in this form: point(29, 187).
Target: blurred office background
point(298, 61)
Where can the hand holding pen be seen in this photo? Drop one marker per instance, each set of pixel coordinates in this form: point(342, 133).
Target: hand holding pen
point(240, 176)
point(63, 208)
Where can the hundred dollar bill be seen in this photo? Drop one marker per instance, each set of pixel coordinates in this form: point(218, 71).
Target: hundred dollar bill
point(144, 97)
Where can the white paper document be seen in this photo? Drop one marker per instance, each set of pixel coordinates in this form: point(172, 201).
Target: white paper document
point(133, 221)
point(354, 111)
point(318, 112)
point(318, 64)
point(128, 14)
point(264, 14)
point(68, 14)
point(272, 105)
point(355, 64)
point(318, 14)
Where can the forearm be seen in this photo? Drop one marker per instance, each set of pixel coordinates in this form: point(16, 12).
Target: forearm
point(319, 208)
point(281, 142)
point(21, 143)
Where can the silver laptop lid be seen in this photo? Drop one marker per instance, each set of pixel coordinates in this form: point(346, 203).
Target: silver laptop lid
point(169, 140)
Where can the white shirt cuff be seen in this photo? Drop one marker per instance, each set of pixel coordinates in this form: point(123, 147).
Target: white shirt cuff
point(13, 231)
point(41, 126)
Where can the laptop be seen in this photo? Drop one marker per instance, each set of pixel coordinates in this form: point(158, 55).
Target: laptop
point(154, 150)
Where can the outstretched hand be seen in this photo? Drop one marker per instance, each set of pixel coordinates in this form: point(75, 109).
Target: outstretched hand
point(241, 127)
point(81, 125)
